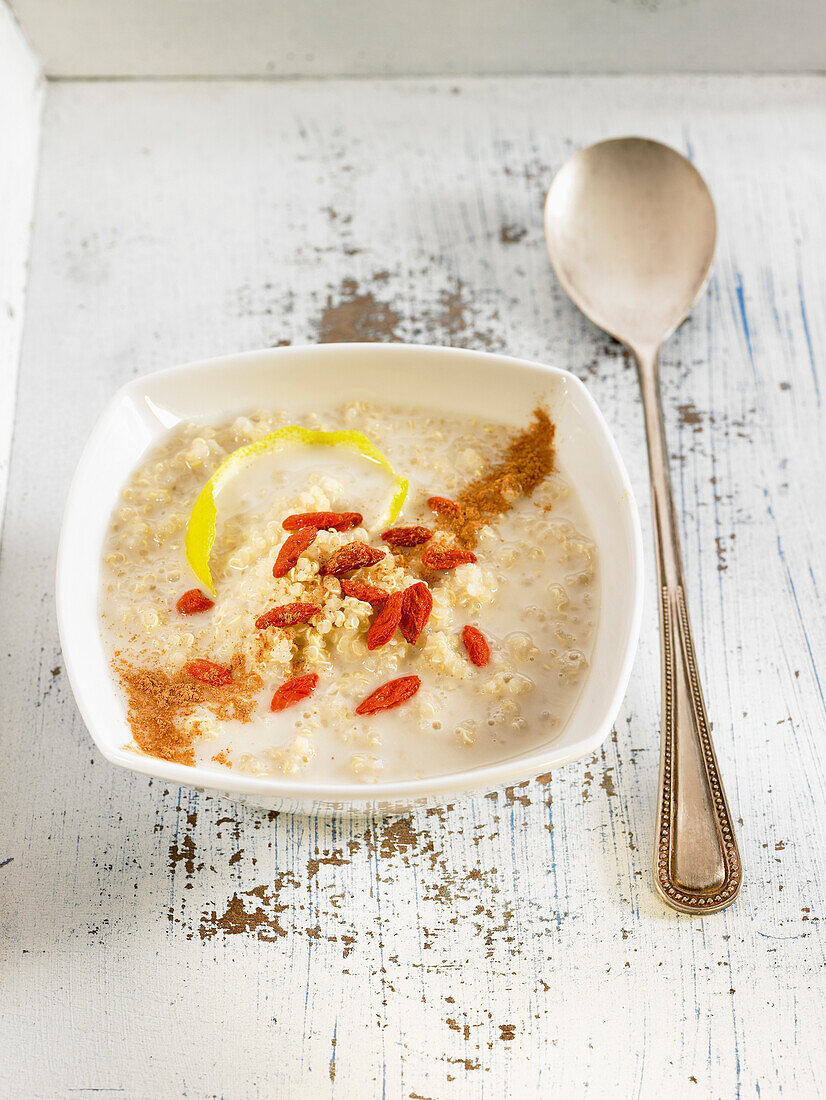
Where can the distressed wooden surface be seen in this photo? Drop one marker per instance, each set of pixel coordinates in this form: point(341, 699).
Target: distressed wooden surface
point(160, 943)
point(242, 38)
point(21, 101)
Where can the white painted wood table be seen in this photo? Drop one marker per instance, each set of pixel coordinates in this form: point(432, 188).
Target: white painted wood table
point(159, 943)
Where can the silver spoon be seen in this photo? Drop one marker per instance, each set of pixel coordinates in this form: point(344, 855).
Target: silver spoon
point(630, 228)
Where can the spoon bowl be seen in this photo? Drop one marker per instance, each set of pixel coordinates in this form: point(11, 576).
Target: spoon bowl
point(631, 230)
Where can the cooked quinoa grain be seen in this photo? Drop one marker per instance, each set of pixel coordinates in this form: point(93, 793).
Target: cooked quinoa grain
point(534, 592)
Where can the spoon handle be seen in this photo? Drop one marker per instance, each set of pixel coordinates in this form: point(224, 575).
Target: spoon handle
point(697, 866)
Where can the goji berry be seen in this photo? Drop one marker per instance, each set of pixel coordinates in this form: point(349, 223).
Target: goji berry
point(287, 615)
point(383, 627)
point(193, 601)
point(353, 555)
point(292, 549)
point(391, 694)
point(417, 603)
point(323, 521)
point(407, 536)
point(208, 673)
point(440, 557)
point(293, 691)
point(367, 593)
point(476, 645)
point(442, 506)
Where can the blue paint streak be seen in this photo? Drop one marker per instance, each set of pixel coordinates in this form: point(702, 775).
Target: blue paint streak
point(778, 323)
point(799, 612)
point(738, 1082)
point(333, 1059)
point(6, 862)
point(382, 971)
point(808, 340)
point(171, 877)
point(553, 865)
point(741, 302)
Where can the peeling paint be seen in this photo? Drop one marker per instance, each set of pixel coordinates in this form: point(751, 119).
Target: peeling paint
point(258, 916)
point(352, 315)
point(512, 234)
point(690, 417)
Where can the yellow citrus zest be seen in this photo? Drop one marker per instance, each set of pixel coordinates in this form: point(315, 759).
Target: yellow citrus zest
point(200, 531)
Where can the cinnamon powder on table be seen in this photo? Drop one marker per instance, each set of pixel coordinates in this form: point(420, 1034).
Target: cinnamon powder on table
point(527, 461)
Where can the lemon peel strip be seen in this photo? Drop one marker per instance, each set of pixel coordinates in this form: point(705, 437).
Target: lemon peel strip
point(200, 530)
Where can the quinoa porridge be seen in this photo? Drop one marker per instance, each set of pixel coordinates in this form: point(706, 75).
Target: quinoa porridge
point(340, 643)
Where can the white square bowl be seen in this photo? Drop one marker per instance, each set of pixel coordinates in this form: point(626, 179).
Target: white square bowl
point(300, 379)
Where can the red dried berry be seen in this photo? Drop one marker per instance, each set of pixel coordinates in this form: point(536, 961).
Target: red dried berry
point(476, 645)
point(287, 615)
point(442, 506)
point(391, 694)
point(292, 549)
point(193, 601)
point(407, 536)
point(293, 691)
point(416, 607)
point(323, 521)
point(439, 557)
point(353, 555)
point(208, 673)
point(383, 627)
point(367, 593)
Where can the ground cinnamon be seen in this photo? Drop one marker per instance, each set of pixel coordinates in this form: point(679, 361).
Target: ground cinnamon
point(527, 461)
point(158, 701)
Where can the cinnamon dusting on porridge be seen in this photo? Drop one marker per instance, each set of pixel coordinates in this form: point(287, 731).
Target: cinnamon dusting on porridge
point(160, 701)
point(339, 642)
point(528, 460)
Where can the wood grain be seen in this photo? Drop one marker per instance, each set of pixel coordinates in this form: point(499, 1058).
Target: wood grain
point(21, 102)
point(242, 38)
point(160, 943)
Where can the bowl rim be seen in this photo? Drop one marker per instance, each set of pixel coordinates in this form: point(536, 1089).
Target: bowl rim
point(481, 777)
